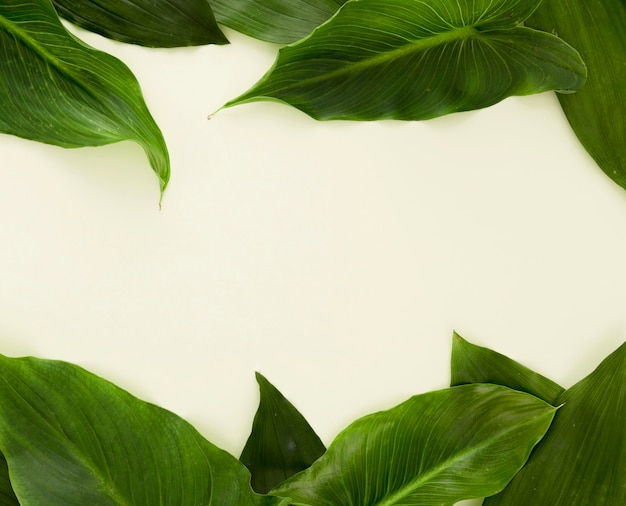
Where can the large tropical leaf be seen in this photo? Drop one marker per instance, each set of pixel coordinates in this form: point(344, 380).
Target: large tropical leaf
point(436, 448)
point(73, 439)
point(476, 364)
point(409, 59)
point(57, 90)
point(281, 21)
point(582, 460)
point(281, 443)
point(597, 29)
point(7, 495)
point(155, 23)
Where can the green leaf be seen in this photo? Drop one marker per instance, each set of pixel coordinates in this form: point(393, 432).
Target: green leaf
point(281, 21)
point(281, 443)
point(475, 364)
point(582, 460)
point(74, 439)
point(153, 23)
point(596, 28)
point(436, 448)
point(7, 496)
point(57, 90)
point(407, 59)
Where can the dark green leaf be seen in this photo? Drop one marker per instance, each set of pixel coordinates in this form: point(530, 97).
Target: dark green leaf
point(436, 448)
point(154, 23)
point(73, 439)
point(597, 29)
point(281, 443)
point(403, 59)
point(282, 21)
point(57, 90)
point(475, 364)
point(582, 460)
point(7, 496)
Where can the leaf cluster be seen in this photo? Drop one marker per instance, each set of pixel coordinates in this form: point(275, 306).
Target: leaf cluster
point(500, 431)
point(339, 59)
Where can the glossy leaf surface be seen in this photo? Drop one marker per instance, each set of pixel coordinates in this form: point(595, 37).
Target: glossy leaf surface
point(582, 460)
point(57, 90)
point(74, 439)
point(281, 21)
point(407, 59)
point(436, 448)
point(281, 443)
point(7, 496)
point(476, 364)
point(596, 28)
point(154, 23)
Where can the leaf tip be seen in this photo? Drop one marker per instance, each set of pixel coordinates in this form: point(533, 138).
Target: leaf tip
point(259, 377)
point(457, 339)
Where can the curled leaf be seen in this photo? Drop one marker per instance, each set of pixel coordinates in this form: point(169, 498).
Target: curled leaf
point(57, 90)
point(412, 60)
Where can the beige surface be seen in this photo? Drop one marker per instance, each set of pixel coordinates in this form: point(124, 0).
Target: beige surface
point(336, 258)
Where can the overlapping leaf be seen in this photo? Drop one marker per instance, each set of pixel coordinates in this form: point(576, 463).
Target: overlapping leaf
point(154, 23)
point(57, 90)
point(281, 443)
point(582, 460)
point(407, 59)
point(436, 448)
point(596, 28)
point(7, 496)
point(73, 439)
point(282, 21)
point(476, 364)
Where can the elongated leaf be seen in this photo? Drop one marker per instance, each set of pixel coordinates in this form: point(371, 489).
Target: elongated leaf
point(281, 21)
point(582, 460)
point(596, 28)
point(475, 364)
point(408, 59)
point(7, 496)
point(57, 90)
point(154, 23)
point(282, 442)
point(73, 439)
point(436, 448)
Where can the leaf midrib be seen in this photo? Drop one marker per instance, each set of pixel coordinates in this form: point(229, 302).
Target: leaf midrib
point(43, 53)
point(415, 46)
point(402, 493)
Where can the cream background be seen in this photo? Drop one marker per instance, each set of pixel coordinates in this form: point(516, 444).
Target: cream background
point(336, 258)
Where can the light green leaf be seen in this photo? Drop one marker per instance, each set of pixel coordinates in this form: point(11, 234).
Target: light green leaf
point(436, 448)
point(73, 439)
point(597, 29)
point(282, 442)
point(153, 23)
point(7, 496)
point(475, 364)
point(408, 59)
point(582, 460)
point(57, 90)
point(281, 21)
